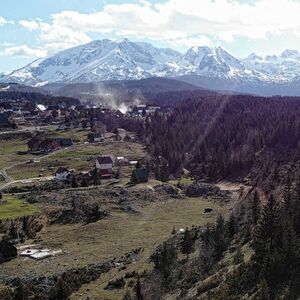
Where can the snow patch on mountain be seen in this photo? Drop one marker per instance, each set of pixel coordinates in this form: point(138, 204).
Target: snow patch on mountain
point(125, 60)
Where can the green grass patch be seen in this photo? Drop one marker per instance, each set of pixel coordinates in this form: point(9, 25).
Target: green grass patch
point(78, 157)
point(13, 207)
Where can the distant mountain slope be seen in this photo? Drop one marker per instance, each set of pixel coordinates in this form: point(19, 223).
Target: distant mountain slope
point(209, 67)
point(123, 91)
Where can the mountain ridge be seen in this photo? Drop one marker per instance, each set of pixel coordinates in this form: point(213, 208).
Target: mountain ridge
point(102, 60)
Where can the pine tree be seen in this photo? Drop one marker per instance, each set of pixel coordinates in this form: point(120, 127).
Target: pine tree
point(96, 178)
point(173, 230)
point(255, 209)
point(239, 257)
point(164, 259)
point(74, 182)
point(218, 238)
point(187, 243)
point(84, 182)
point(231, 226)
point(267, 245)
point(138, 290)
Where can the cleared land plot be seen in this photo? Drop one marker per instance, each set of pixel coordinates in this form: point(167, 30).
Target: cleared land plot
point(12, 208)
point(113, 236)
point(78, 157)
point(9, 152)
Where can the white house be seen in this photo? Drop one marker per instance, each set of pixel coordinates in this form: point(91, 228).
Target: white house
point(62, 174)
point(104, 162)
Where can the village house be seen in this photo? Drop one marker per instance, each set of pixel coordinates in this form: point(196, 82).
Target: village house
point(54, 111)
point(45, 145)
point(62, 174)
point(39, 145)
point(95, 137)
point(41, 110)
point(104, 165)
point(64, 142)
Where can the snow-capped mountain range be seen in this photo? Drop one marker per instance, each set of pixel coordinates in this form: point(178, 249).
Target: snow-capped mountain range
point(125, 60)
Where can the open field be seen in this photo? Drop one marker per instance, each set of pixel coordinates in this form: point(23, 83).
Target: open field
point(12, 208)
point(112, 237)
point(149, 224)
point(147, 231)
point(9, 152)
point(80, 156)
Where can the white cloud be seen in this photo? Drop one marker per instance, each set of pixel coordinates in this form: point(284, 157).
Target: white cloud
point(177, 22)
point(30, 25)
point(6, 44)
point(24, 51)
point(2, 21)
point(200, 40)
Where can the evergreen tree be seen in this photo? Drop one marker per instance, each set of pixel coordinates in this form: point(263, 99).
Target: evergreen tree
point(138, 290)
point(74, 182)
point(187, 243)
point(173, 230)
point(84, 182)
point(238, 257)
point(164, 259)
point(231, 226)
point(266, 244)
point(218, 238)
point(255, 209)
point(138, 165)
point(96, 178)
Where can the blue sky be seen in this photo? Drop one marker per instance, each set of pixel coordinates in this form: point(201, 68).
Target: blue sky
point(36, 28)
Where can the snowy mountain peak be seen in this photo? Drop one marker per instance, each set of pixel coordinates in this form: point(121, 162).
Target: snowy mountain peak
point(290, 54)
point(123, 59)
point(253, 57)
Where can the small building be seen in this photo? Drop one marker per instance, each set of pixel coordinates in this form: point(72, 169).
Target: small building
point(7, 250)
point(40, 108)
point(94, 137)
point(62, 174)
point(139, 175)
point(64, 142)
point(54, 110)
point(104, 165)
point(37, 144)
point(104, 162)
point(122, 161)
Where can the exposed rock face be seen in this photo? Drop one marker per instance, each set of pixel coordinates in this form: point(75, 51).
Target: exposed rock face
point(79, 213)
point(199, 189)
point(169, 189)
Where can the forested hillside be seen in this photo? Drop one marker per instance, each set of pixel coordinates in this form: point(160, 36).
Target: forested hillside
point(227, 260)
point(219, 137)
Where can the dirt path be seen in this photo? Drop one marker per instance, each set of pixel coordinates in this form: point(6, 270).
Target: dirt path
point(8, 180)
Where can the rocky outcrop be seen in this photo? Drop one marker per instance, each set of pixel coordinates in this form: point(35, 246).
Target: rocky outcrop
point(80, 212)
point(199, 189)
point(169, 189)
point(61, 286)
